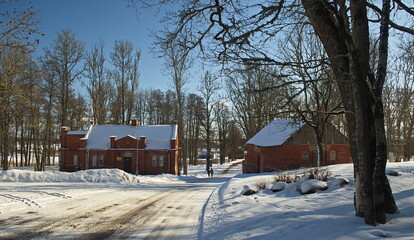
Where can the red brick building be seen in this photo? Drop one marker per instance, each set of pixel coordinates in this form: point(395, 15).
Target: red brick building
point(134, 149)
point(284, 144)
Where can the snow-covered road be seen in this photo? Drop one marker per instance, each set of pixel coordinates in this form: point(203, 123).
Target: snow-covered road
point(105, 211)
point(110, 204)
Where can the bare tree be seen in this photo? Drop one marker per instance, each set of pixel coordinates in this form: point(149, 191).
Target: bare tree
point(177, 62)
point(194, 106)
point(208, 88)
point(125, 60)
point(223, 118)
point(311, 98)
point(254, 106)
point(98, 85)
point(235, 141)
point(399, 103)
point(16, 43)
point(19, 27)
point(64, 57)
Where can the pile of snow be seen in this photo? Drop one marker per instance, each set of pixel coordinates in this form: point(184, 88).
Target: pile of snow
point(289, 214)
point(95, 176)
point(114, 175)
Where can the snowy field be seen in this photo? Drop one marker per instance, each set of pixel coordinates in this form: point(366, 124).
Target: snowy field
point(98, 204)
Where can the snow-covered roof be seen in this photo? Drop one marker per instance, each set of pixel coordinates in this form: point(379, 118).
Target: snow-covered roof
point(158, 136)
point(275, 133)
point(76, 132)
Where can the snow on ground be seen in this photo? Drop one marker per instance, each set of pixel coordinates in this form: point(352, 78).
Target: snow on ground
point(227, 214)
point(200, 170)
point(290, 215)
point(93, 176)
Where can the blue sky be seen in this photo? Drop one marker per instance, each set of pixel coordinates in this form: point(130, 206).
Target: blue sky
point(102, 20)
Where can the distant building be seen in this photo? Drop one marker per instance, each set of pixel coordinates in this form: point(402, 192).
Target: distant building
point(214, 154)
point(134, 149)
point(284, 144)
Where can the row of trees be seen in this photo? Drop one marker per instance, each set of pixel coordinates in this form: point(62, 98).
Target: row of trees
point(69, 85)
point(42, 97)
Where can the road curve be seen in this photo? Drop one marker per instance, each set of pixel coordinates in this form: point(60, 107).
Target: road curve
point(164, 211)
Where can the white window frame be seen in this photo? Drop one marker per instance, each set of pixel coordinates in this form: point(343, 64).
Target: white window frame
point(75, 160)
point(94, 161)
point(154, 161)
point(161, 161)
point(332, 155)
point(101, 161)
point(305, 156)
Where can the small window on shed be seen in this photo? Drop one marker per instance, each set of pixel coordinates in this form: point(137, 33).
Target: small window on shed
point(101, 161)
point(305, 156)
point(94, 161)
point(332, 155)
point(75, 160)
point(161, 162)
point(154, 161)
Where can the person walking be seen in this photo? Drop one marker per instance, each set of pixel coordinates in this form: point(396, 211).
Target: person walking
point(208, 172)
point(211, 172)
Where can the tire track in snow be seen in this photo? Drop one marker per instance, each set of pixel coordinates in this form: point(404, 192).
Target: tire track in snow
point(26, 201)
point(54, 194)
point(171, 214)
point(49, 226)
point(119, 227)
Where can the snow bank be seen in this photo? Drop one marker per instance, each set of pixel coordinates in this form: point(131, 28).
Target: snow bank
point(96, 176)
point(288, 214)
point(312, 185)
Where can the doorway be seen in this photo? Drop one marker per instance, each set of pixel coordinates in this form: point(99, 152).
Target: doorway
point(128, 162)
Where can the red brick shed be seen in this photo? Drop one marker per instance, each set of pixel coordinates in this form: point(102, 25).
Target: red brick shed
point(284, 144)
point(135, 149)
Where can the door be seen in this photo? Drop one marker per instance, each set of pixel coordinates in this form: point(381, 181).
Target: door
point(261, 164)
point(127, 164)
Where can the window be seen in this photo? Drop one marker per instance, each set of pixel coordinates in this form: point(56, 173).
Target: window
point(332, 155)
point(154, 161)
point(305, 156)
point(101, 161)
point(93, 161)
point(161, 162)
point(75, 160)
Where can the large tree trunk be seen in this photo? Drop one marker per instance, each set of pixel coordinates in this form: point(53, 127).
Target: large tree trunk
point(349, 57)
point(383, 200)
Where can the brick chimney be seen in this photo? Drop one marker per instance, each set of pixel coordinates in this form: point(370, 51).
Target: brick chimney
point(134, 122)
point(113, 143)
point(63, 131)
point(143, 142)
point(82, 143)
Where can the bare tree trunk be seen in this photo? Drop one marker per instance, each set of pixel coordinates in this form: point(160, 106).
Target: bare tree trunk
point(366, 144)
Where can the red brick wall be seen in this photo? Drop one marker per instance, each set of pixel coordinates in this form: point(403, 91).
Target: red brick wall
point(290, 157)
point(343, 154)
point(127, 142)
point(70, 145)
point(67, 162)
